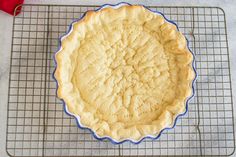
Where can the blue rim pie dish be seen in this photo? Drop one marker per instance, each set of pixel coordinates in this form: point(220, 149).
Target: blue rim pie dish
point(125, 73)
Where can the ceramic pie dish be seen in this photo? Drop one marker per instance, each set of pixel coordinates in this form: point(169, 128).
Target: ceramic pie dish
point(124, 72)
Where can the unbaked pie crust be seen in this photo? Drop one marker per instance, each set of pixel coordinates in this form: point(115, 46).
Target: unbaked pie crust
point(125, 72)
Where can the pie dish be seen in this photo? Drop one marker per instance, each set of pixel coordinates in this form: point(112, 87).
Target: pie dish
point(124, 72)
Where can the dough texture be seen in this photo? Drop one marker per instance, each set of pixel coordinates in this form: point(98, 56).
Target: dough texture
point(125, 72)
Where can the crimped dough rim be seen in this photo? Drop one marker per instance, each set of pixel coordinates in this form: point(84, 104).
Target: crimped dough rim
point(168, 121)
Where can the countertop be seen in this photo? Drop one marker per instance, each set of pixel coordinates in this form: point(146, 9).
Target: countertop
point(6, 33)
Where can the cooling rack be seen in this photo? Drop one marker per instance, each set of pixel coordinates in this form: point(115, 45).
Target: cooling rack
point(38, 126)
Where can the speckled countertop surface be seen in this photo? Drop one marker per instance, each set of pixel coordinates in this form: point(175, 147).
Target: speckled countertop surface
point(6, 33)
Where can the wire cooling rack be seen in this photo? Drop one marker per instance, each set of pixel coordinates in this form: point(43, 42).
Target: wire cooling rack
point(37, 125)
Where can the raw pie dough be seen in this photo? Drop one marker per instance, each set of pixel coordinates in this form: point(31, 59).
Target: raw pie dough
point(125, 72)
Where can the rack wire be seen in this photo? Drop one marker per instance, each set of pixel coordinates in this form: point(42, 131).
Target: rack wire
point(37, 125)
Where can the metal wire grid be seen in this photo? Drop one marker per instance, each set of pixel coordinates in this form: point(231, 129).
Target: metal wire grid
point(37, 125)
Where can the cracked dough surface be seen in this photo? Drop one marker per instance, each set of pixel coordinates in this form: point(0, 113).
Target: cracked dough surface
point(125, 72)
